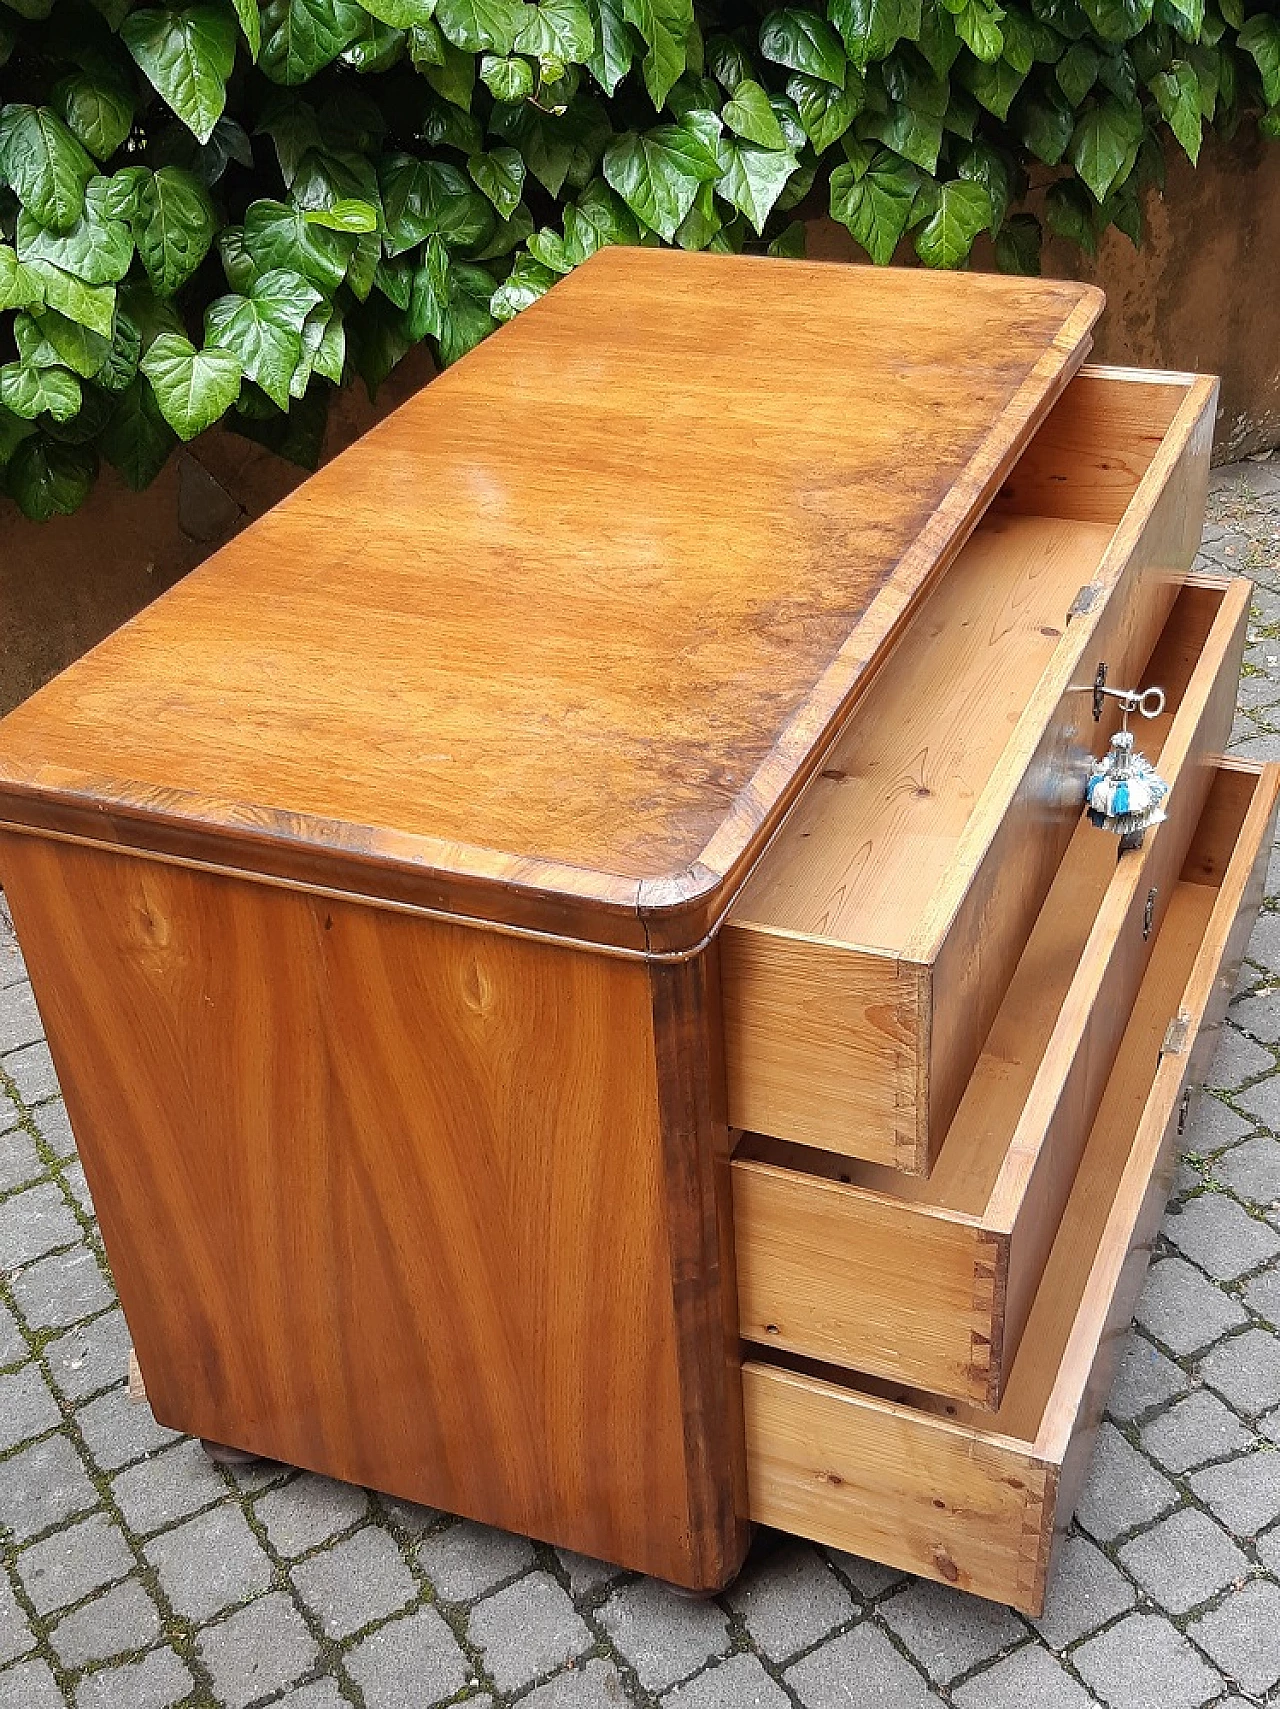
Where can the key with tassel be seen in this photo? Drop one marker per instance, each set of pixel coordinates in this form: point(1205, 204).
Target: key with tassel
point(1125, 793)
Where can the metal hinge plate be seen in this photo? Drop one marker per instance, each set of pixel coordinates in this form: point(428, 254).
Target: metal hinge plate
point(1176, 1035)
point(1085, 600)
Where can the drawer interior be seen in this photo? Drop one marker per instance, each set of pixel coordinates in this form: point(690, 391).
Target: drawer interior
point(868, 857)
point(946, 1489)
point(977, 1167)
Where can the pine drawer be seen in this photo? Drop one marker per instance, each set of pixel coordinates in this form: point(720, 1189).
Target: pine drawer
point(941, 1489)
point(931, 1282)
point(855, 998)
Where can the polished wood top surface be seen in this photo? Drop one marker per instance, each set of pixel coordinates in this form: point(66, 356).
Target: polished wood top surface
point(559, 642)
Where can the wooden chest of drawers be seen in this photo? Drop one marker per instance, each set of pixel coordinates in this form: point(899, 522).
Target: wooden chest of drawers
point(580, 975)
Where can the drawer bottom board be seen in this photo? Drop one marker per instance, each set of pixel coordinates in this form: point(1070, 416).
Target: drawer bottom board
point(975, 1499)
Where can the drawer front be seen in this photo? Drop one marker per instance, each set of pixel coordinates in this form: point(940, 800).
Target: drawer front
point(929, 1290)
point(859, 1037)
point(937, 1488)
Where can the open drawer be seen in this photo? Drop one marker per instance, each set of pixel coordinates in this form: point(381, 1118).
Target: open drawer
point(937, 1488)
point(931, 1282)
point(856, 1001)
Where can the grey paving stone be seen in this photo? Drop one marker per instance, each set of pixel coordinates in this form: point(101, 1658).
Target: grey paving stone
point(1085, 1591)
point(16, 1637)
point(320, 1694)
point(55, 1128)
point(1270, 1426)
point(20, 1021)
point(1245, 1370)
point(1268, 1547)
point(67, 1565)
point(529, 1629)
point(117, 1430)
point(35, 1222)
point(10, 1114)
point(1123, 1489)
point(30, 1685)
point(55, 1292)
point(27, 1406)
point(1242, 1635)
point(154, 1680)
point(1193, 1431)
point(789, 1600)
point(12, 966)
point(1264, 945)
point(1030, 1676)
point(74, 1176)
point(466, 1560)
point(1184, 1310)
point(586, 1574)
point(32, 1072)
point(665, 1637)
point(1213, 1124)
point(1145, 1378)
point(121, 1621)
point(172, 1484)
point(1245, 1493)
point(357, 1581)
point(1143, 1662)
point(13, 1345)
point(1262, 1294)
point(1262, 1101)
point(1264, 747)
point(1184, 1560)
point(309, 1510)
point(257, 1650)
point(739, 1683)
point(1252, 1170)
point(209, 1562)
point(41, 1486)
point(91, 1357)
point(593, 1685)
point(860, 1670)
point(1259, 1015)
point(412, 1518)
point(948, 1632)
point(1219, 1235)
point(1236, 1060)
point(868, 1578)
point(409, 1663)
point(19, 1160)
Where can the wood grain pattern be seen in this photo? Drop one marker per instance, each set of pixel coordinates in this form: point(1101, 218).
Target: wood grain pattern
point(930, 1282)
point(406, 1203)
point(941, 815)
point(560, 641)
point(970, 1499)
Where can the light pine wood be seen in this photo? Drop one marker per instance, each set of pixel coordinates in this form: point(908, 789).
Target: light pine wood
point(928, 829)
point(930, 1282)
point(974, 1500)
point(560, 641)
point(410, 1204)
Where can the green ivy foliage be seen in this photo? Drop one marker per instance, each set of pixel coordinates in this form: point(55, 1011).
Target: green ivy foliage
point(226, 209)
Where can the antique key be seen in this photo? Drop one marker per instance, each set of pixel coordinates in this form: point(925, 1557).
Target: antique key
point(1125, 792)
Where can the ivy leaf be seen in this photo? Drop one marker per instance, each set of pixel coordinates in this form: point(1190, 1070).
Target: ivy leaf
point(250, 20)
point(994, 86)
point(1117, 20)
point(874, 201)
point(467, 319)
point(137, 439)
point(402, 14)
point(938, 41)
point(610, 59)
point(47, 479)
point(192, 387)
point(19, 287)
point(727, 62)
point(187, 56)
point(665, 27)
point(91, 306)
point(97, 110)
point(97, 249)
point(527, 281)
point(657, 173)
point(1260, 39)
point(1186, 16)
point(1177, 93)
point(910, 131)
point(121, 364)
point(984, 164)
point(1077, 72)
point(13, 430)
point(276, 235)
point(1071, 213)
point(480, 26)
point(871, 29)
point(752, 178)
point(790, 242)
point(301, 37)
point(173, 224)
point(425, 198)
point(963, 210)
point(979, 28)
point(268, 351)
point(1017, 245)
point(749, 114)
point(1104, 145)
point(544, 142)
point(1045, 122)
point(346, 214)
point(825, 111)
point(500, 176)
point(803, 41)
point(284, 297)
point(553, 30)
point(73, 345)
point(30, 392)
point(44, 163)
point(1022, 36)
point(507, 79)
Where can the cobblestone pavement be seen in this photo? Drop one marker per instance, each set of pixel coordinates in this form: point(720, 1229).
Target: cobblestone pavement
point(138, 1576)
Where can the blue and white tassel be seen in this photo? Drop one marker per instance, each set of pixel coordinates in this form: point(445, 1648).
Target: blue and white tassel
point(1125, 792)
